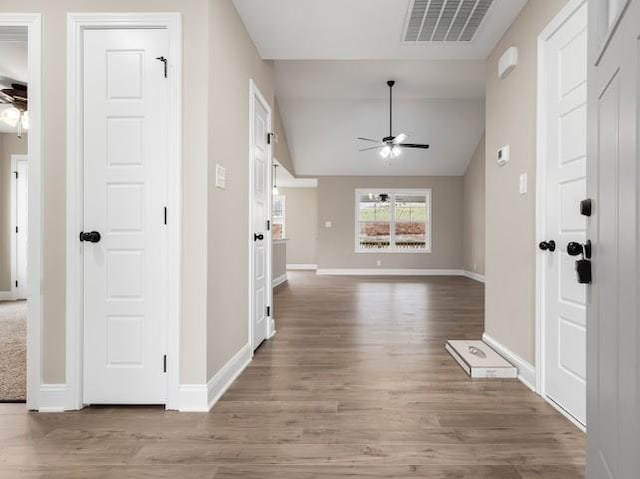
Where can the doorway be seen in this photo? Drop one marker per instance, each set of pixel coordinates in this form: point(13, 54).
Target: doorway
point(562, 164)
point(124, 216)
point(260, 269)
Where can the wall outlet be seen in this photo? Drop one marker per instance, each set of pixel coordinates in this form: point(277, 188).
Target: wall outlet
point(328, 224)
point(523, 183)
point(379, 263)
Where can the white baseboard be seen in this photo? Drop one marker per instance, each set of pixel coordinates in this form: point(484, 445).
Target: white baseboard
point(202, 397)
point(279, 280)
point(7, 296)
point(389, 272)
point(224, 378)
point(300, 266)
point(526, 372)
point(53, 398)
point(476, 276)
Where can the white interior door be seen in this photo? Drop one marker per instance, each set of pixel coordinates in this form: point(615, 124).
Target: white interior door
point(564, 315)
point(21, 215)
point(125, 190)
point(613, 338)
point(260, 214)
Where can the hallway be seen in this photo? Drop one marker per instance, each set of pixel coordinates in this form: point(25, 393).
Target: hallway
point(356, 383)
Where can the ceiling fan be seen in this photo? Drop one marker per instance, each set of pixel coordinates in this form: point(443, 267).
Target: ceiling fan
point(16, 96)
point(391, 146)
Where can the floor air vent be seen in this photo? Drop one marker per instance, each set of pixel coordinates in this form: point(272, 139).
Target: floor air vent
point(445, 20)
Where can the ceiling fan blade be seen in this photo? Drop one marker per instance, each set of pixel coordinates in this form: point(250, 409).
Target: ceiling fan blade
point(400, 138)
point(371, 148)
point(368, 139)
point(414, 145)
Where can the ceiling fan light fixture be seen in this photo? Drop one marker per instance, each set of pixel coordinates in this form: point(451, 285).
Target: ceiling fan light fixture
point(10, 116)
point(25, 120)
point(386, 151)
point(400, 138)
point(396, 151)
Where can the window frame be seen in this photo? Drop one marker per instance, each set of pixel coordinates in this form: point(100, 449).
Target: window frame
point(282, 198)
point(393, 192)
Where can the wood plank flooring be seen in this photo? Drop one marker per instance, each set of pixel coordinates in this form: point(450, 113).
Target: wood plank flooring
point(355, 384)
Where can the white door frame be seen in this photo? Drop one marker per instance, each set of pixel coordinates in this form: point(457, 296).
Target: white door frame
point(541, 193)
point(33, 23)
point(254, 92)
point(15, 291)
point(76, 24)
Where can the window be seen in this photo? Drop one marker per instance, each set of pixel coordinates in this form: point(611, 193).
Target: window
point(277, 219)
point(397, 221)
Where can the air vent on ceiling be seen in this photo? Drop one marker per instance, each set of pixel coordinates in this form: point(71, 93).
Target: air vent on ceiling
point(445, 20)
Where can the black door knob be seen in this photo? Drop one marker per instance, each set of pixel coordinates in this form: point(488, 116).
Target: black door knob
point(92, 237)
point(574, 249)
point(547, 246)
point(258, 237)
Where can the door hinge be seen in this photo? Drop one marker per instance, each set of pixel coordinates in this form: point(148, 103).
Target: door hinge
point(164, 363)
point(268, 225)
point(16, 230)
point(16, 284)
point(165, 215)
point(268, 311)
point(16, 173)
point(165, 61)
point(271, 137)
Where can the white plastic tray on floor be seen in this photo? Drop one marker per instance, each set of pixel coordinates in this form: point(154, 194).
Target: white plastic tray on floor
point(479, 360)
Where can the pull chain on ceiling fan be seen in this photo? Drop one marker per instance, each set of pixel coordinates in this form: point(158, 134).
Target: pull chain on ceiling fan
point(391, 146)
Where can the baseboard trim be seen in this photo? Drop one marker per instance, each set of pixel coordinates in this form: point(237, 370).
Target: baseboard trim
point(389, 272)
point(53, 398)
point(526, 372)
point(279, 280)
point(202, 397)
point(224, 378)
point(476, 276)
point(302, 266)
point(7, 296)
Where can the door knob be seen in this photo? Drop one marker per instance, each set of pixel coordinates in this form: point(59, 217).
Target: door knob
point(547, 245)
point(577, 249)
point(258, 237)
point(92, 237)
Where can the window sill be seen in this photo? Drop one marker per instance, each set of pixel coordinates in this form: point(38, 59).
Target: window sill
point(394, 251)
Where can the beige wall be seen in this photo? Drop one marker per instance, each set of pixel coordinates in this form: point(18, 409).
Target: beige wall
point(336, 203)
point(281, 151)
point(10, 144)
point(473, 211)
point(279, 259)
point(195, 60)
point(510, 235)
point(301, 224)
point(233, 61)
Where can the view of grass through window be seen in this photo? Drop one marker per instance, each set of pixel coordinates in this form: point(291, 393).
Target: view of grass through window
point(393, 220)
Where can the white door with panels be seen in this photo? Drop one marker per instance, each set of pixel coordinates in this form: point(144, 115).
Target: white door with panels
point(613, 338)
point(260, 217)
point(565, 186)
point(124, 198)
point(21, 215)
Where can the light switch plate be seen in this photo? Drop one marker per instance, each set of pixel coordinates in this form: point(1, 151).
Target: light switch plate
point(328, 224)
point(221, 177)
point(523, 183)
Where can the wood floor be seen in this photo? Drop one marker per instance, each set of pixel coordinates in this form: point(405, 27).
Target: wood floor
point(355, 384)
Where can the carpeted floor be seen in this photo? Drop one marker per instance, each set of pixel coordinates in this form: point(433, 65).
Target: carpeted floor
point(13, 350)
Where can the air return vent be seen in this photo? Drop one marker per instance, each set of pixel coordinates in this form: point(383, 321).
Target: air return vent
point(445, 20)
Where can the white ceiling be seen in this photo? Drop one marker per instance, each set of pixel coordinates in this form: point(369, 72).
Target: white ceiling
point(326, 105)
point(13, 62)
point(358, 29)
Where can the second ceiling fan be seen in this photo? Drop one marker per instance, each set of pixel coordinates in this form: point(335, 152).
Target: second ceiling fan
point(391, 146)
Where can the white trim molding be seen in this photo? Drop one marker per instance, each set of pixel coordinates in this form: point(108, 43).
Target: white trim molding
point(389, 272)
point(526, 372)
point(279, 280)
point(33, 23)
point(202, 397)
point(53, 398)
point(77, 23)
point(475, 276)
point(302, 267)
